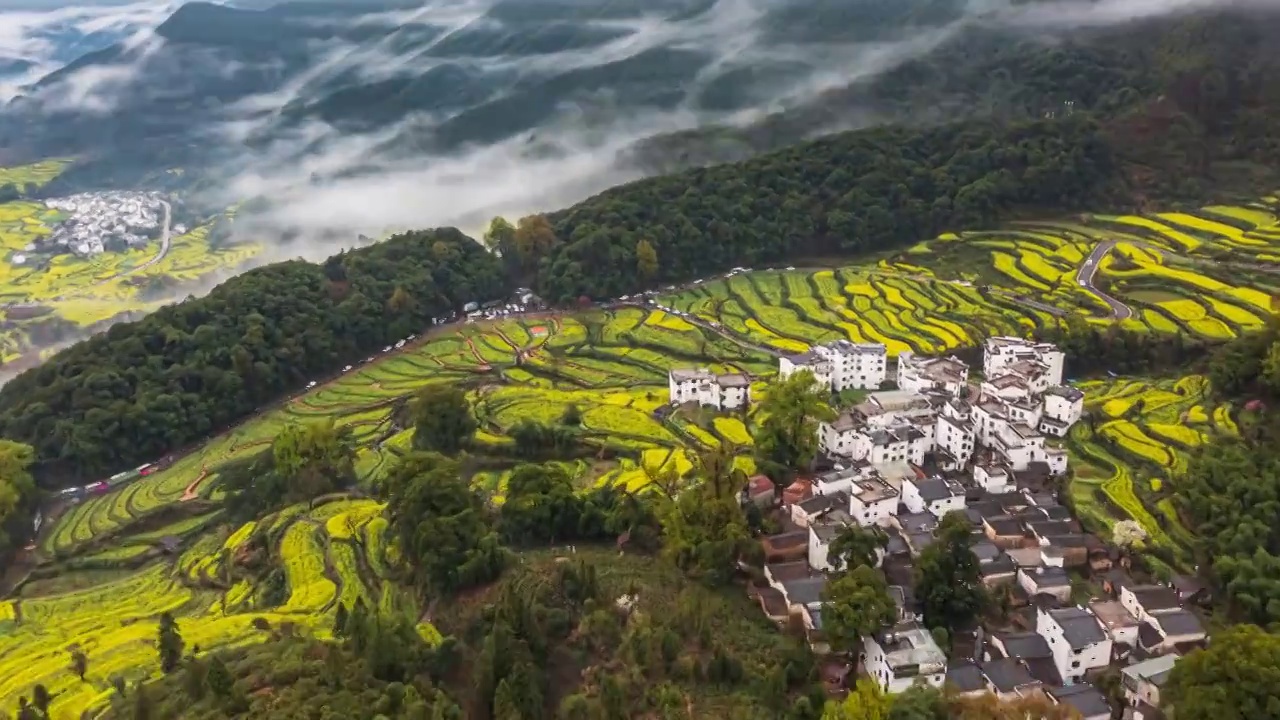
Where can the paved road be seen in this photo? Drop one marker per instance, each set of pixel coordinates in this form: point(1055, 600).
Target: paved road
point(1084, 278)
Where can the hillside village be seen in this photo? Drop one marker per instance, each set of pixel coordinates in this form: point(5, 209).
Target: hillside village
point(942, 442)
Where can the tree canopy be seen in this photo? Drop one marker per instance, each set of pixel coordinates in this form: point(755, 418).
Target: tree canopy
point(1236, 678)
point(950, 580)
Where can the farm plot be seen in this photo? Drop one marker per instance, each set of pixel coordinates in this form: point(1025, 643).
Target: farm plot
point(330, 554)
point(1129, 451)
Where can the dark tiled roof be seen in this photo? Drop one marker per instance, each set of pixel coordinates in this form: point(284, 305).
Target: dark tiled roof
point(1080, 627)
point(804, 592)
point(1005, 526)
point(1007, 674)
point(1180, 622)
point(934, 489)
point(1025, 645)
point(965, 677)
point(1043, 669)
point(1154, 598)
point(783, 572)
point(1084, 697)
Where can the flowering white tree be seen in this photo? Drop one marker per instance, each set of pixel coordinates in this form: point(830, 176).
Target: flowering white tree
point(1128, 534)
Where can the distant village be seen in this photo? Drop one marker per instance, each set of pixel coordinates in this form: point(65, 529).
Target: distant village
point(941, 442)
point(98, 222)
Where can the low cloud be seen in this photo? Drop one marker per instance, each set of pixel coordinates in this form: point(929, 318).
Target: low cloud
point(44, 36)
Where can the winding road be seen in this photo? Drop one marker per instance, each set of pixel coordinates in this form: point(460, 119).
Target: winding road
point(1084, 278)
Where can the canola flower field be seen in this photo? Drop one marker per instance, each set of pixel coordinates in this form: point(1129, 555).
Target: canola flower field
point(108, 574)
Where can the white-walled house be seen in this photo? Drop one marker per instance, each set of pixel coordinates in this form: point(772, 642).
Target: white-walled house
point(993, 478)
point(722, 392)
point(821, 367)
point(901, 656)
point(842, 479)
point(936, 496)
point(1145, 601)
point(841, 365)
point(1063, 407)
point(1001, 352)
point(872, 502)
point(957, 438)
point(1076, 639)
point(920, 374)
point(1142, 681)
point(839, 437)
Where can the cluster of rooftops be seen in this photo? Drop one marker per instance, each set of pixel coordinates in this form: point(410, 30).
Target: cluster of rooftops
point(947, 440)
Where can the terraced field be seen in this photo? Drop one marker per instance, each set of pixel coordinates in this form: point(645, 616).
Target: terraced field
point(111, 574)
point(1137, 441)
point(329, 554)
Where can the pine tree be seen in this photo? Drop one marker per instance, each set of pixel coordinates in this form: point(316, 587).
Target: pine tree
point(219, 679)
point(169, 643)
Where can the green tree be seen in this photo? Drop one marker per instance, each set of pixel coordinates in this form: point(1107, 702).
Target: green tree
point(704, 527)
point(919, 702)
point(855, 546)
point(866, 702)
point(313, 458)
point(169, 643)
point(788, 438)
point(1236, 678)
point(541, 505)
point(442, 419)
point(440, 524)
point(219, 678)
point(857, 604)
point(79, 663)
point(646, 260)
point(16, 488)
point(949, 582)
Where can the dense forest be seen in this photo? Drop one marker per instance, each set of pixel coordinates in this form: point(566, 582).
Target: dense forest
point(849, 193)
point(146, 388)
point(1231, 491)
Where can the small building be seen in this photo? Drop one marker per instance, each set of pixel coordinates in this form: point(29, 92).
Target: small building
point(1008, 678)
point(873, 502)
point(903, 655)
point(1119, 624)
point(1190, 589)
point(916, 374)
point(1043, 580)
point(1142, 681)
point(807, 511)
point(936, 496)
point(722, 392)
point(966, 680)
point(1076, 639)
point(821, 534)
point(1084, 698)
point(1172, 628)
point(1143, 601)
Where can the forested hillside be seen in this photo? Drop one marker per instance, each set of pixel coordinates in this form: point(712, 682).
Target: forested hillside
point(1231, 491)
point(849, 193)
point(143, 389)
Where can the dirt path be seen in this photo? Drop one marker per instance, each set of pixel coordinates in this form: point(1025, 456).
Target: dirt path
point(190, 493)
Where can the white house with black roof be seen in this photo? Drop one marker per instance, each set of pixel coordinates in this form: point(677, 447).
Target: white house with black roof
point(935, 495)
point(841, 365)
point(1076, 639)
point(1009, 678)
point(1063, 407)
point(729, 391)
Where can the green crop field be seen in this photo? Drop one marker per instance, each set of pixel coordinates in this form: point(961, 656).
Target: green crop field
point(1138, 436)
point(107, 575)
